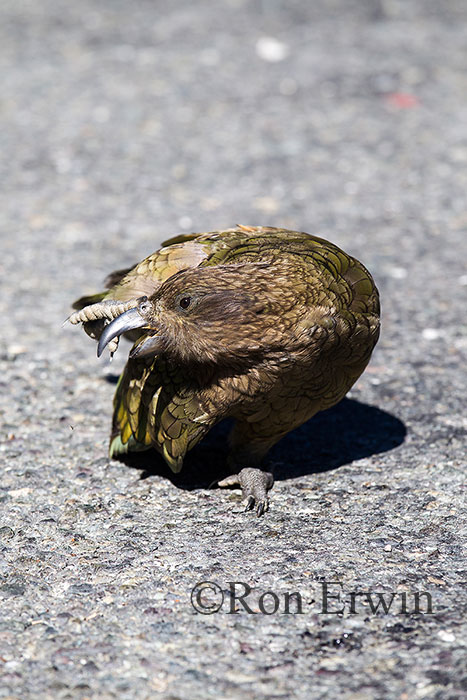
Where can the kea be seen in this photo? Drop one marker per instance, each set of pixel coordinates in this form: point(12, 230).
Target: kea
point(263, 325)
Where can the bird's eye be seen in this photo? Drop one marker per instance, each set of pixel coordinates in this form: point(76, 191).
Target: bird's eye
point(185, 302)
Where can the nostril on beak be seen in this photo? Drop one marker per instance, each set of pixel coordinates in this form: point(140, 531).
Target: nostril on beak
point(144, 306)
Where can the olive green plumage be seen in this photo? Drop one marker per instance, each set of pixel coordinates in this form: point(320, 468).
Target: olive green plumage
point(264, 325)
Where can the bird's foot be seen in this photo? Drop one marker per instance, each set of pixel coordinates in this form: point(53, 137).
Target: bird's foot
point(255, 485)
point(95, 317)
point(107, 309)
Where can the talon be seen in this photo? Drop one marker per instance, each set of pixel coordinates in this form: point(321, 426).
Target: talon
point(113, 347)
point(250, 503)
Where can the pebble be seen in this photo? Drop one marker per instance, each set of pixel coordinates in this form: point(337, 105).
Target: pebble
point(271, 50)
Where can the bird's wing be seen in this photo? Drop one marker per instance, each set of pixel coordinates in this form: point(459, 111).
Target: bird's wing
point(155, 406)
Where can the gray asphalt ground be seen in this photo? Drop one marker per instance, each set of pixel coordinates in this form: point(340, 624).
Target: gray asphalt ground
point(123, 123)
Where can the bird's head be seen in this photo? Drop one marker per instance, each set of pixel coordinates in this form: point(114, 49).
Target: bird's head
point(223, 314)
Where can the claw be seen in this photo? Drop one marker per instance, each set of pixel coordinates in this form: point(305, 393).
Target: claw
point(250, 503)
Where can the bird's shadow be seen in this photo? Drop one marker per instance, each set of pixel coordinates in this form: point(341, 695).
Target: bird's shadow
point(349, 431)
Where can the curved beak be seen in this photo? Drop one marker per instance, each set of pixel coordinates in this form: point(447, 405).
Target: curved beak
point(127, 321)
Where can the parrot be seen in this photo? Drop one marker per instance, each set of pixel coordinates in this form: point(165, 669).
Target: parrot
point(266, 326)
